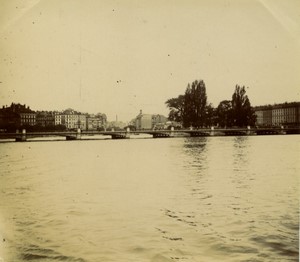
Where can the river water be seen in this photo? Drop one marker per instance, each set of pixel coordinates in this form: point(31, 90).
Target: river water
point(174, 199)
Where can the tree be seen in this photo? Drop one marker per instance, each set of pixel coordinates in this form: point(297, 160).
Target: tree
point(176, 106)
point(242, 112)
point(224, 113)
point(195, 103)
point(191, 108)
point(211, 116)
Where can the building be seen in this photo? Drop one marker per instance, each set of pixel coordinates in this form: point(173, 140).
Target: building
point(45, 118)
point(57, 118)
point(278, 114)
point(159, 121)
point(17, 115)
point(148, 121)
point(143, 121)
point(71, 119)
point(263, 115)
point(96, 122)
point(93, 123)
point(9, 120)
point(116, 124)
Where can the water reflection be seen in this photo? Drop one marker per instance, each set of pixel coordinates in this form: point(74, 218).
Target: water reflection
point(240, 153)
point(241, 174)
point(196, 162)
point(195, 153)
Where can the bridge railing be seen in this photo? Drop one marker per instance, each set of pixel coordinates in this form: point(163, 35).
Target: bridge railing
point(126, 133)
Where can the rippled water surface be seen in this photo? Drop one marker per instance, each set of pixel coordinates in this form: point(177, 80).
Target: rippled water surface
point(177, 199)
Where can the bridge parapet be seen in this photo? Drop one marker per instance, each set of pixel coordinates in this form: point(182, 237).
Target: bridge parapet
point(122, 134)
point(22, 137)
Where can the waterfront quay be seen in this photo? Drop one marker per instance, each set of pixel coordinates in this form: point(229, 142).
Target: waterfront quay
point(126, 134)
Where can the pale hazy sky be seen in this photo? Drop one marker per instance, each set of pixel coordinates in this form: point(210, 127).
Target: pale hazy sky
point(117, 57)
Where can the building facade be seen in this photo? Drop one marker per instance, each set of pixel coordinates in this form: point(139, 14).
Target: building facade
point(279, 114)
point(57, 118)
point(148, 121)
point(45, 118)
point(17, 115)
point(159, 121)
point(96, 122)
point(143, 121)
point(72, 119)
point(9, 120)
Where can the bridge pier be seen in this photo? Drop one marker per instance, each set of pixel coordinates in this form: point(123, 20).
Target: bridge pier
point(70, 138)
point(158, 134)
point(77, 136)
point(121, 135)
point(282, 132)
point(22, 137)
point(118, 134)
point(248, 132)
point(172, 132)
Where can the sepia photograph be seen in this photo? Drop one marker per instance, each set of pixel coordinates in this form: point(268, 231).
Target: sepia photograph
point(149, 131)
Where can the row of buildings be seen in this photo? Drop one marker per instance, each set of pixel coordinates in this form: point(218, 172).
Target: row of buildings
point(279, 114)
point(17, 115)
point(149, 121)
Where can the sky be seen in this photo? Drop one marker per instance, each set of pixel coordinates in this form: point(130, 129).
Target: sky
point(120, 57)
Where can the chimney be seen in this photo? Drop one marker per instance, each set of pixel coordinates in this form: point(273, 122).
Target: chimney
point(141, 112)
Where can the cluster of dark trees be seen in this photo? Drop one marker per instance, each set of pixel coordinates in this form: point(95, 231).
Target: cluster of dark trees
point(193, 109)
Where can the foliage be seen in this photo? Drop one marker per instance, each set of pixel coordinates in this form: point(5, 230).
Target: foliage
point(176, 106)
point(195, 102)
point(211, 116)
point(191, 108)
point(242, 112)
point(224, 113)
point(237, 111)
